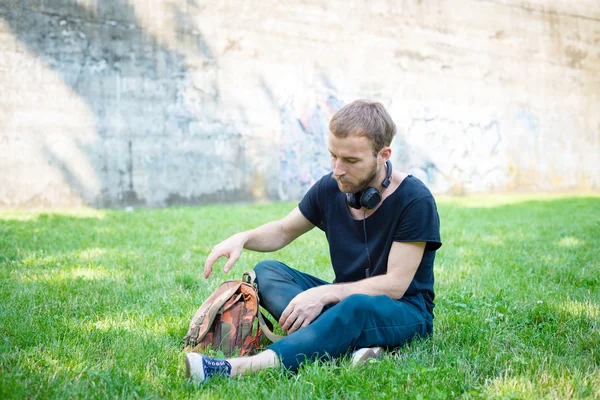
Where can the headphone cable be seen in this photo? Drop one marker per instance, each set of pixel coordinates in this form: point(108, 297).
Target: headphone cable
point(368, 271)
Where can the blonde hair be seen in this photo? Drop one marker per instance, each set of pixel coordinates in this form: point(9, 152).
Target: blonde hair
point(364, 118)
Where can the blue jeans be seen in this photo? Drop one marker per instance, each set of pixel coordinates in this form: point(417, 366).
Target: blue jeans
point(357, 321)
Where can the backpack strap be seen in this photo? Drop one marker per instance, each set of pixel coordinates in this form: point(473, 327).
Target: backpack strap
point(249, 277)
point(265, 328)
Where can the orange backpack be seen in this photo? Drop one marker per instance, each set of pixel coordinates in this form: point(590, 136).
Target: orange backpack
point(228, 318)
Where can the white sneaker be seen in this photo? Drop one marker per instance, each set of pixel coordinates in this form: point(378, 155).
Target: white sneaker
point(361, 355)
point(200, 367)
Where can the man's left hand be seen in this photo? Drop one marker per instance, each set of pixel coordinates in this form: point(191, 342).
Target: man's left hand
point(303, 309)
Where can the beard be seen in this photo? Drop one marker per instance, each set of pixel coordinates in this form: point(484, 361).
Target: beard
point(354, 186)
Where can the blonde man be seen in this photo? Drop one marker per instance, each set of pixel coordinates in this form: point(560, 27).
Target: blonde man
point(382, 227)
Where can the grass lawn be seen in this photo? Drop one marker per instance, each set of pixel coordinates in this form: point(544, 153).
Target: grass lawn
point(94, 303)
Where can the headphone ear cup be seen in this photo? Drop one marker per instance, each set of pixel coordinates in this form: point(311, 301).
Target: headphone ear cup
point(353, 200)
point(370, 198)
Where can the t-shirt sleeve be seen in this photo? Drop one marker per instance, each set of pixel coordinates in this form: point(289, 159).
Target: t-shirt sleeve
point(420, 222)
point(310, 206)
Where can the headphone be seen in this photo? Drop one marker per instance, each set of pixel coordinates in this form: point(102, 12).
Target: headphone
point(370, 197)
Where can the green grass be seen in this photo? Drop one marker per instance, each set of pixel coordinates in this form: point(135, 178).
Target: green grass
point(94, 303)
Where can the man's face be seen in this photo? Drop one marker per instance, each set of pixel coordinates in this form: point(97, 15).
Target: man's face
point(353, 162)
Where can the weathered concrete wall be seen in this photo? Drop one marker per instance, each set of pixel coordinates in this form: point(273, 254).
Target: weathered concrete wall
point(115, 102)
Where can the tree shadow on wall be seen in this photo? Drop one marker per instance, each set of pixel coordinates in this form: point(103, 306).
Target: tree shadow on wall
point(131, 80)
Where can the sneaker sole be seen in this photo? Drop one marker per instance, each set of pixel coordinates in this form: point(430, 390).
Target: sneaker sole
point(187, 367)
point(374, 353)
point(194, 372)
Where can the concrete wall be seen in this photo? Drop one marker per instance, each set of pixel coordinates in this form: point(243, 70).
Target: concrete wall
point(138, 102)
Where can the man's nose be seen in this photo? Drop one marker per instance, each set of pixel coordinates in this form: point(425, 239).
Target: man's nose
point(338, 170)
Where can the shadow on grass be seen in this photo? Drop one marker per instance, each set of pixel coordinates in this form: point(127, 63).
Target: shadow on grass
point(100, 355)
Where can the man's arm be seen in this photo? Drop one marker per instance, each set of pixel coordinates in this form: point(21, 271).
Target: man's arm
point(277, 234)
point(271, 236)
point(403, 261)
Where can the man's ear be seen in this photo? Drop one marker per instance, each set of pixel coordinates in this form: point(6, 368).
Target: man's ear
point(385, 154)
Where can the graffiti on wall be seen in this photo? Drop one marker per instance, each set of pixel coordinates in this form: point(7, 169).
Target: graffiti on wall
point(453, 155)
point(304, 157)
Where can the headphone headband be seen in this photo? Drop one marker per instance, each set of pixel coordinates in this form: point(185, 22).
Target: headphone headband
point(388, 174)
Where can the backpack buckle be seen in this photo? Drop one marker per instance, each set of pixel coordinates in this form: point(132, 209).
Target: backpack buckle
point(249, 277)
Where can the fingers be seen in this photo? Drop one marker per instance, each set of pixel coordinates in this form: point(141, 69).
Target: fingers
point(214, 256)
point(294, 322)
point(210, 260)
point(285, 315)
point(297, 325)
point(296, 317)
point(230, 248)
point(207, 270)
point(232, 259)
point(289, 322)
point(302, 322)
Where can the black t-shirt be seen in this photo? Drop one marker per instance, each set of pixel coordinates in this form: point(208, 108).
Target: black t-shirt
point(409, 214)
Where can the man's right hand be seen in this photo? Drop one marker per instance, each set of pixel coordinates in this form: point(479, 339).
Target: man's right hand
point(230, 248)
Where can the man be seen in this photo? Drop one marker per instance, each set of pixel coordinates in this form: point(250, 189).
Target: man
point(382, 227)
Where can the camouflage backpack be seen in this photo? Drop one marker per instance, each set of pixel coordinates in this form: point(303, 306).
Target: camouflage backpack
point(228, 318)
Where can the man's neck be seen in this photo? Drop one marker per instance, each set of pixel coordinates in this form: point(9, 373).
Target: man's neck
point(378, 180)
